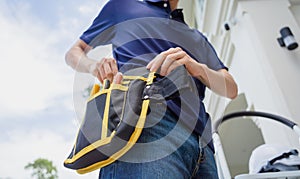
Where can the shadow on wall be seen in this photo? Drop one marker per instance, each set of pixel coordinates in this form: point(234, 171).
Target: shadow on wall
point(239, 137)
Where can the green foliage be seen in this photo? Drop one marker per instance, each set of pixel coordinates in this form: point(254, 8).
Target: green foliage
point(42, 169)
point(87, 91)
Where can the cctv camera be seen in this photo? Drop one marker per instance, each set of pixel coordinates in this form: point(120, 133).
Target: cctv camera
point(226, 26)
point(229, 24)
point(287, 39)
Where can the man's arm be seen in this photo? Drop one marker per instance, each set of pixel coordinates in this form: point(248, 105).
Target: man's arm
point(220, 82)
point(77, 58)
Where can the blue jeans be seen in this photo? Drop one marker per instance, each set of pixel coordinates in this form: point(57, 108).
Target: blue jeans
point(165, 149)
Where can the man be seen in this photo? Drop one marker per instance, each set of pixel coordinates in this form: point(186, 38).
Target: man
point(153, 33)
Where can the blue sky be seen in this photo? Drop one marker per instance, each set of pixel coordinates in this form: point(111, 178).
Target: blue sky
point(39, 92)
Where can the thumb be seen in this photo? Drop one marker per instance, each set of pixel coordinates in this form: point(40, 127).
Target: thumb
point(118, 78)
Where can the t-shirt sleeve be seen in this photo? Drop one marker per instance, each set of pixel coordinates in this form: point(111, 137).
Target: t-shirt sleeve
point(101, 31)
point(209, 55)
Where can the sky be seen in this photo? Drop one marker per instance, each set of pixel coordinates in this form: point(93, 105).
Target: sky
point(39, 92)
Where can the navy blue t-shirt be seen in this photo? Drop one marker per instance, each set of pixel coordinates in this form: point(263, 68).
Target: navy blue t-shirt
point(139, 30)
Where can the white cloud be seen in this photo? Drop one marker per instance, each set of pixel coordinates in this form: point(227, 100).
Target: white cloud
point(86, 9)
point(72, 26)
point(89, 8)
point(23, 147)
point(31, 72)
point(34, 76)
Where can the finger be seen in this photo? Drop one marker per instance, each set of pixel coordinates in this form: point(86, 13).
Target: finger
point(172, 50)
point(170, 59)
point(172, 67)
point(108, 71)
point(155, 62)
point(159, 59)
point(118, 78)
point(179, 62)
point(101, 72)
point(99, 77)
point(150, 64)
point(114, 66)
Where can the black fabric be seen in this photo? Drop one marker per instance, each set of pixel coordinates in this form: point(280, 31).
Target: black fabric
point(169, 87)
point(272, 166)
point(177, 15)
point(124, 113)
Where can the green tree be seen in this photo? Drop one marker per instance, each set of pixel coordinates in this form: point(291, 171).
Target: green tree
point(42, 169)
point(87, 91)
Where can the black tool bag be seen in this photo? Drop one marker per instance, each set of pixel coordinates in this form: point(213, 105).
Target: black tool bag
point(115, 116)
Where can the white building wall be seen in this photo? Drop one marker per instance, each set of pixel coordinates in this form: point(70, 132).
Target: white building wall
point(268, 74)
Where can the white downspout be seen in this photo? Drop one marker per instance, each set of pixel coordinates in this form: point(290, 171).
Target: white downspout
point(223, 169)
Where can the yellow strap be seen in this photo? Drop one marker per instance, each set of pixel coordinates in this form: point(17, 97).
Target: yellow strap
point(103, 91)
point(134, 137)
point(134, 78)
point(119, 87)
point(95, 89)
point(105, 116)
point(89, 148)
point(132, 140)
point(150, 78)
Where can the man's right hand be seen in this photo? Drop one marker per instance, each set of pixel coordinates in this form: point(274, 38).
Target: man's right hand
point(106, 69)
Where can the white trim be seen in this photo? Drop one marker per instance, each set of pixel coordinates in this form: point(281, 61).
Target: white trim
point(220, 157)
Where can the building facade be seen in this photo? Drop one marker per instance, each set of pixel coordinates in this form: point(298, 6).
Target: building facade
point(244, 34)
